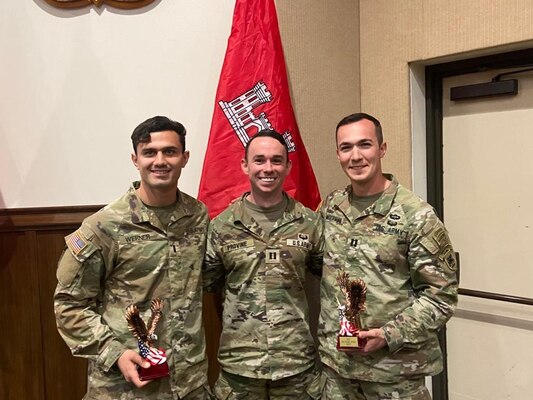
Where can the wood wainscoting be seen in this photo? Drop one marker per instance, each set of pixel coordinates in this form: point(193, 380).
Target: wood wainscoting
point(35, 362)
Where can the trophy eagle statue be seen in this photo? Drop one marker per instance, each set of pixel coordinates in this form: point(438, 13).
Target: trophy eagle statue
point(354, 291)
point(137, 326)
point(145, 335)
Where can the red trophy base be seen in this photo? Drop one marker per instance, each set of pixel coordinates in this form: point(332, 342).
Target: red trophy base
point(350, 343)
point(154, 372)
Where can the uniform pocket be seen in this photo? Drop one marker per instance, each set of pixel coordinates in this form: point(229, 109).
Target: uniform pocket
point(222, 389)
point(317, 385)
point(236, 390)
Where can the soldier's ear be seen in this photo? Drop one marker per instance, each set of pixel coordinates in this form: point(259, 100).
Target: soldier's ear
point(382, 149)
point(185, 158)
point(244, 166)
point(134, 160)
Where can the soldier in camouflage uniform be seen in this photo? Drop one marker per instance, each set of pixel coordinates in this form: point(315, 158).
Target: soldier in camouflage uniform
point(147, 244)
point(379, 231)
point(258, 252)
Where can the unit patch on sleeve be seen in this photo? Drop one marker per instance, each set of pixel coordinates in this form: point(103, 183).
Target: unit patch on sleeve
point(76, 242)
point(448, 256)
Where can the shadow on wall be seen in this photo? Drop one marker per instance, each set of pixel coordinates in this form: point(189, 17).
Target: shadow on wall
point(76, 12)
point(517, 323)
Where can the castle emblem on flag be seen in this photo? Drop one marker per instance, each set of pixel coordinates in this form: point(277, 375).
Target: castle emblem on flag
point(239, 113)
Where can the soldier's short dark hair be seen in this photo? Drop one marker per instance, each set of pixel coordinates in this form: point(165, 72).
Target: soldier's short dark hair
point(141, 134)
point(350, 119)
point(271, 134)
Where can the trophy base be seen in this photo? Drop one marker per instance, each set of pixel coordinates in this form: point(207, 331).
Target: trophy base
point(154, 372)
point(350, 343)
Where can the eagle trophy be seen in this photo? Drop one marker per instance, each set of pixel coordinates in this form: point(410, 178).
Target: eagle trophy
point(137, 326)
point(354, 291)
point(146, 336)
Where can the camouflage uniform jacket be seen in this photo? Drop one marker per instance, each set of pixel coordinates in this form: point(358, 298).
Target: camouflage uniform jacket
point(401, 250)
point(265, 323)
point(122, 255)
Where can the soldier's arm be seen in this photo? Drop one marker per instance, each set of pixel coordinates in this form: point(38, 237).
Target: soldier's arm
point(317, 251)
point(213, 273)
point(80, 274)
point(434, 282)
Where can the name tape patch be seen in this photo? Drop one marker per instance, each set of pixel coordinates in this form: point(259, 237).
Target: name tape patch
point(244, 244)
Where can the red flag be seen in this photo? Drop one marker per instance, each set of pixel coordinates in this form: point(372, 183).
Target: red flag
point(253, 94)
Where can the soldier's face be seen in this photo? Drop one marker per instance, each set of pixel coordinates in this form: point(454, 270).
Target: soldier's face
point(359, 152)
point(266, 165)
point(160, 161)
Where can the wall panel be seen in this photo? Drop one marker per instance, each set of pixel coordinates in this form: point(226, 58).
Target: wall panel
point(321, 45)
point(36, 362)
point(396, 33)
point(21, 366)
point(63, 373)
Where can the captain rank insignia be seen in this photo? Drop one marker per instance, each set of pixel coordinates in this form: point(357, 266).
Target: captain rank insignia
point(272, 256)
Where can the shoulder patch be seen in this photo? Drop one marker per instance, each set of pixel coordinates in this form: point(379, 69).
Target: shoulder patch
point(437, 240)
point(439, 244)
point(76, 242)
point(440, 237)
point(448, 257)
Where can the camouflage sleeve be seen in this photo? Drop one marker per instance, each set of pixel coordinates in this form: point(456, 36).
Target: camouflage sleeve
point(317, 252)
point(80, 272)
point(321, 209)
point(213, 273)
point(432, 267)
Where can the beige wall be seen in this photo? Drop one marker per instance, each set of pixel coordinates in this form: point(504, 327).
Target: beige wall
point(76, 82)
point(82, 83)
point(321, 44)
point(395, 33)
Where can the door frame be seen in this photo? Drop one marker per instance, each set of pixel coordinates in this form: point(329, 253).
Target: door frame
point(434, 75)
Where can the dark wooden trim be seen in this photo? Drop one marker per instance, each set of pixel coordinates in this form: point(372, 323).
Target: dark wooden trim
point(128, 4)
point(434, 77)
point(124, 4)
point(44, 218)
point(511, 59)
point(508, 298)
point(434, 140)
point(33, 308)
point(69, 4)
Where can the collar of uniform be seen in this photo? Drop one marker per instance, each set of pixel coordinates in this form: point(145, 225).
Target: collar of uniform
point(381, 206)
point(141, 213)
point(384, 203)
point(239, 215)
point(340, 200)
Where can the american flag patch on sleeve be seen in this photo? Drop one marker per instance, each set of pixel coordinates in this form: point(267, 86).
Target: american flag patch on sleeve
point(76, 242)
